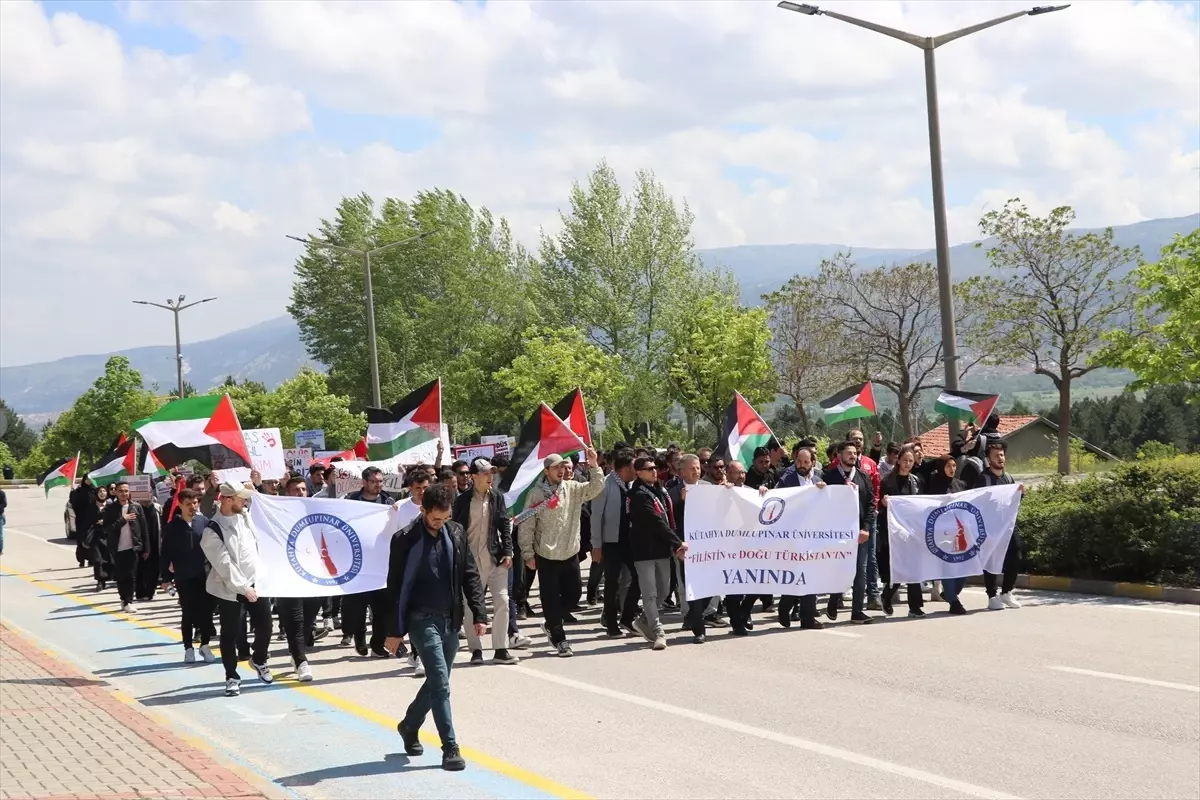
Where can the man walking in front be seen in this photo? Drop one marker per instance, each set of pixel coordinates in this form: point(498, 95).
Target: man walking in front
point(430, 570)
point(550, 538)
point(652, 544)
point(128, 541)
point(231, 547)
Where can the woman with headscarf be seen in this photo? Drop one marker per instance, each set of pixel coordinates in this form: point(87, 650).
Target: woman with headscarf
point(148, 570)
point(900, 481)
point(96, 540)
point(83, 504)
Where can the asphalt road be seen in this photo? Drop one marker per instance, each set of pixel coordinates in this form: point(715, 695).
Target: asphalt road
point(1069, 697)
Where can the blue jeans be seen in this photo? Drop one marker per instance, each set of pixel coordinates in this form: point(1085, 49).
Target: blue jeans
point(872, 565)
point(436, 642)
point(1, 534)
point(513, 630)
point(951, 588)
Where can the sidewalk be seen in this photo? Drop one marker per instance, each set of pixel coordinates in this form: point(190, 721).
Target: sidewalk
point(66, 735)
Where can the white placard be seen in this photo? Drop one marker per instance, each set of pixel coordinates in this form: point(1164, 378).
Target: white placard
point(139, 487)
point(347, 475)
point(266, 455)
point(298, 459)
point(470, 452)
point(787, 542)
point(313, 440)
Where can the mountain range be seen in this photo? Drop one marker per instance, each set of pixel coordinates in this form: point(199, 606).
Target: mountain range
point(271, 351)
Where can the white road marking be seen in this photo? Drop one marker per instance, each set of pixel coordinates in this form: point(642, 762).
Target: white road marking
point(31, 536)
point(968, 789)
point(1112, 676)
point(843, 634)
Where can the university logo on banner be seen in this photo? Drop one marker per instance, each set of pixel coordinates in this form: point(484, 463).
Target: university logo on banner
point(324, 550)
point(934, 537)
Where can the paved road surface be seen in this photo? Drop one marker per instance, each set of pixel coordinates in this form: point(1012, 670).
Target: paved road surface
point(1069, 697)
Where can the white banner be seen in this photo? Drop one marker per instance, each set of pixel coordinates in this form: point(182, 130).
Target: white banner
point(312, 547)
point(347, 475)
point(787, 542)
point(933, 537)
point(266, 455)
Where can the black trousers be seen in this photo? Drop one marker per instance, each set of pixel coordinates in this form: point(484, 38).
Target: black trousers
point(552, 575)
point(884, 558)
point(613, 562)
point(807, 603)
point(232, 614)
point(1012, 564)
point(354, 616)
point(571, 585)
point(695, 608)
point(196, 607)
point(738, 607)
point(297, 616)
point(595, 574)
point(125, 565)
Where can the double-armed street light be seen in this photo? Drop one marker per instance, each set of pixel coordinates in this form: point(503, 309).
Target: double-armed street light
point(175, 306)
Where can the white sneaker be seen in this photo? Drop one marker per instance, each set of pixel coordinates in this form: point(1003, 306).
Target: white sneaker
point(189, 656)
point(233, 687)
point(264, 672)
point(1009, 601)
point(129, 608)
point(328, 624)
point(995, 604)
point(520, 642)
point(303, 672)
point(206, 653)
point(643, 628)
point(660, 643)
point(415, 663)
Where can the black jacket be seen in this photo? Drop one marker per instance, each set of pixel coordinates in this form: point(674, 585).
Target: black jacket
point(866, 494)
point(181, 548)
point(500, 528)
point(650, 533)
point(113, 522)
point(464, 572)
point(83, 502)
point(383, 499)
point(893, 484)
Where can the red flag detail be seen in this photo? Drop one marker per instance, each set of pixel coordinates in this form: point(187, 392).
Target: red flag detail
point(223, 426)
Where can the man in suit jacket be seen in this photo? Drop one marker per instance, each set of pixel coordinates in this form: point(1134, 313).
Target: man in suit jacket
point(845, 472)
point(430, 570)
point(128, 541)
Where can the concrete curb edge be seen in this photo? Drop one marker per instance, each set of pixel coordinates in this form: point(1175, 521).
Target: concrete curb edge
point(1140, 591)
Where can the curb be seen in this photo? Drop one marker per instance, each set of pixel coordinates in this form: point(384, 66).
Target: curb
point(1140, 591)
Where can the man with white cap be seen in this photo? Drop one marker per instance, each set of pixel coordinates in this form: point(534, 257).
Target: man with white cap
point(481, 511)
point(231, 547)
point(550, 538)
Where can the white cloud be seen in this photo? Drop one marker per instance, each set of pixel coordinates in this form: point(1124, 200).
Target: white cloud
point(128, 169)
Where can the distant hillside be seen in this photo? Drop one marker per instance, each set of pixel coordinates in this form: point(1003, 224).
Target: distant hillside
point(271, 351)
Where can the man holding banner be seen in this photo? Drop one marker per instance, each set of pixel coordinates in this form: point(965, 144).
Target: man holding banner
point(845, 472)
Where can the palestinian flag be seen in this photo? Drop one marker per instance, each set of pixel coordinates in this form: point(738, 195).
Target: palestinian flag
point(117, 464)
point(201, 428)
point(149, 464)
point(542, 435)
point(61, 474)
point(413, 421)
point(853, 403)
point(571, 411)
point(966, 406)
point(742, 432)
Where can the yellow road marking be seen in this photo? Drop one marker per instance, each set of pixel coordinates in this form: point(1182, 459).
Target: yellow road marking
point(532, 779)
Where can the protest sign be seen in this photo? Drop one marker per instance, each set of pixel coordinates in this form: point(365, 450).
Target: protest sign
point(470, 452)
point(320, 454)
point(139, 487)
point(502, 443)
point(266, 455)
point(313, 440)
point(933, 537)
point(347, 475)
point(297, 459)
point(315, 547)
point(788, 542)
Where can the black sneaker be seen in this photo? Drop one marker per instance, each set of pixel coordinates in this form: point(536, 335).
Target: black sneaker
point(738, 630)
point(476, 656)
point(957, 608)
point(360, 644)
point(319, 633)
point(380, 653)
point(503, 657)
point(886, 603)
point(749, 624)
point(831, 610)
point(452, 760)
point(916, 612)
point(699, 638)
point(861, 619)
point(346, 641)
point(564, 650)
point(813, 624)
point(615, 633)
point(715, 621)
point(412, 740)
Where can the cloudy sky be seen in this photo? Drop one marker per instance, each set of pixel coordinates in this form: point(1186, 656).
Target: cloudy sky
point(149, 149)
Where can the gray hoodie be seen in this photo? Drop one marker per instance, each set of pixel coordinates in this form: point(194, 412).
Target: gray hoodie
point(606, 512)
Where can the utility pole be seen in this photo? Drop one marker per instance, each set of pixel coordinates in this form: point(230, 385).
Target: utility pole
point(369, 292)
point(175, 306)
point(941, 237)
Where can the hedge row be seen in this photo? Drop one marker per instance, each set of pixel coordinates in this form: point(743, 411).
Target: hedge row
point(1139, 523)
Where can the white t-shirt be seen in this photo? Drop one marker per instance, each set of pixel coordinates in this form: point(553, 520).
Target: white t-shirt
point(125, 541)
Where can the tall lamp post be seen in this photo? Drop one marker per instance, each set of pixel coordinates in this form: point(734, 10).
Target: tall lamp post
point(928, 44)
point(175, 306)
point(370, 295)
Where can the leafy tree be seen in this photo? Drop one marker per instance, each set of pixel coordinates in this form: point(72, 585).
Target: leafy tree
point(1164, 345)
point(305, 402)
point(553, 361)
point(36, 463)
point(804, 347)
point(620, 270)
point(1020, 408)
point(19, 438)
point(6, 456)
point(1059, 292)
point(718, 348)
point(113, 403)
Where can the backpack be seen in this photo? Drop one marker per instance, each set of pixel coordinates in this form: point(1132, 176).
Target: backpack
point(212, 525)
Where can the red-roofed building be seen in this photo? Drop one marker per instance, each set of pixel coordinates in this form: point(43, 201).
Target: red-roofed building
point(1028, 436)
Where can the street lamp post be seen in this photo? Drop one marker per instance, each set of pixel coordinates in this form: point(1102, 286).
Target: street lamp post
point(175, 306)
point(928, 44)
point(372, 347)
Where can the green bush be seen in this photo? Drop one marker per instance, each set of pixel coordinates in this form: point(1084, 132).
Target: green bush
point(1139, 523)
